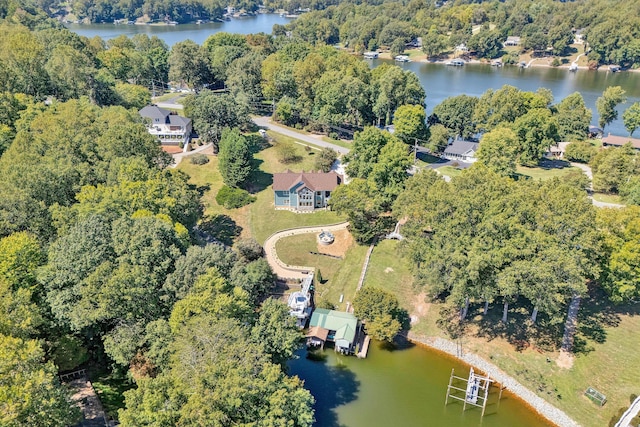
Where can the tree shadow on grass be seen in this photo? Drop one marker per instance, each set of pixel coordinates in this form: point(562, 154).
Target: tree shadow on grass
point(259, 179)
point(331, 386)
point(548, 164)
point(218, 228)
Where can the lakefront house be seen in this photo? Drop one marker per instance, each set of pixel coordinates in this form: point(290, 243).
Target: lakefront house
point(304, 191)
point(167, 126)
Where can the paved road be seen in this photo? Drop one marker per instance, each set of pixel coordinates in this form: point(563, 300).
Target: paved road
point(266, 122)
point(170, 105)
point(285, 271)
point(634, 409)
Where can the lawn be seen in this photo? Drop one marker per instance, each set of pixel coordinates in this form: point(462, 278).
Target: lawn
point(449, 171)
point(208, 181)
point(390, 272)
point(542, 173)
point(608, 198)
point(339, 276)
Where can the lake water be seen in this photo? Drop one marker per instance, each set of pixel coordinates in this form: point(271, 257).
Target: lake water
point(439, 81)
point(401, 388)
point(172, 34)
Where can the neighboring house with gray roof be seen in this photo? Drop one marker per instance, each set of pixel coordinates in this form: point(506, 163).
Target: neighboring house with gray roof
point(333, 326)
point(304, 191)
point(167, 126)
point(462, 151)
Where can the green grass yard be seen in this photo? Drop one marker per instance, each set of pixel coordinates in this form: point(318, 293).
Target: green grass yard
point(339, 276)
point(608, 198)
point(544, 173)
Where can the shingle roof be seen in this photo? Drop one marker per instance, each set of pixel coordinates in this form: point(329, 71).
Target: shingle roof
point(461, 147)
point(315, 181)
point(343, 323)
point(154, 112)
point(619, 141)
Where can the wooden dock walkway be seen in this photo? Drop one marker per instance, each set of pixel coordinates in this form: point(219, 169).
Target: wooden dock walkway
point(362, 354)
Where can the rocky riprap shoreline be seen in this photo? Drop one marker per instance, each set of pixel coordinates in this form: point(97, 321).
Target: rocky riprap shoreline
point(540, 405)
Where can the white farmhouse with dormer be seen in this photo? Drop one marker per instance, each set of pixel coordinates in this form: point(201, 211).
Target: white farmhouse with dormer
point(167, 126)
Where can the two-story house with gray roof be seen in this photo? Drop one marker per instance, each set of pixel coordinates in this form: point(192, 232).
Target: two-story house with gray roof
point(167, 126)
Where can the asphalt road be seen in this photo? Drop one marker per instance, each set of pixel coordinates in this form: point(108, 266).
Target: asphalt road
point(265, 122)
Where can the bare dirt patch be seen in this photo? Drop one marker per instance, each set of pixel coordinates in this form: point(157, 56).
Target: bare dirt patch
point(388, 270)
point(565, 360)
point(343, 241)
point(420, 307)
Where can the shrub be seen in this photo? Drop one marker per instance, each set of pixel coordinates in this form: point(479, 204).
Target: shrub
point(287, 153)
point(556, 62)
point(334, 135)
point(233, 198)
point(581, 151)
point(325, 159)
point(199, 159)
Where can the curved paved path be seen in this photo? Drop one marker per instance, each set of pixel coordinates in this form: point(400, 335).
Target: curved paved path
point(279, 267)
point(177, 157)
point(629, 414)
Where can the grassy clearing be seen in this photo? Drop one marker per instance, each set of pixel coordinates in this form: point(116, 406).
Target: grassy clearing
point(544, 173)
point(608, 198)
point(449, 171)
point(208, 181)
point(390, 272)
point(324, 138)
point(340, 276)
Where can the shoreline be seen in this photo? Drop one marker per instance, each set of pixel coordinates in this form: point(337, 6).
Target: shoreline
point(537, 63)
point(535, 402)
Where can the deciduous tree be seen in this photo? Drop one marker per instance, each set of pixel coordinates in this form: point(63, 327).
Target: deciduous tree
point(607, 103)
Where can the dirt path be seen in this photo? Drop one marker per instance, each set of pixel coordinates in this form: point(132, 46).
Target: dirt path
point(283, 270)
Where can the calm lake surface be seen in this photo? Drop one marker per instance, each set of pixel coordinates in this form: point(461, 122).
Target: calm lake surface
point(172, 34)
point(401, 388)
point(439, 81)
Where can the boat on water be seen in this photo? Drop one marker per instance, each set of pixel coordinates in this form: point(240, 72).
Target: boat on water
point(614, 68)
point(496, 63)
point(370, 55)
point(402, 58)
point(455, 62)
point(573, 67)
